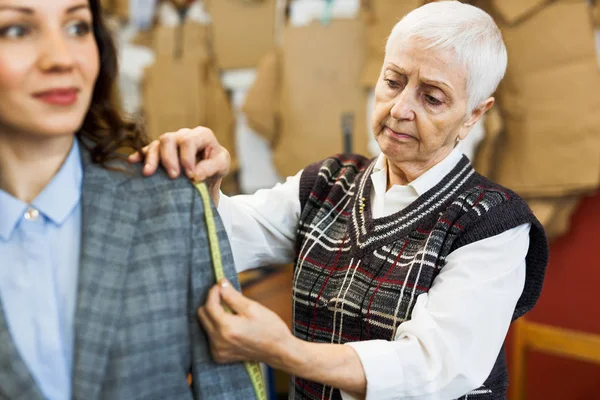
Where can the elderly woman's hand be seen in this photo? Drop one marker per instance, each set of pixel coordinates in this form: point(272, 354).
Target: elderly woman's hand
point(196, 150)
point(253, 332)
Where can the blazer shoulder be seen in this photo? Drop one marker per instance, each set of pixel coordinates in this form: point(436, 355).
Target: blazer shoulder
point(152, 188)
point(153, 195)
point(127, 180)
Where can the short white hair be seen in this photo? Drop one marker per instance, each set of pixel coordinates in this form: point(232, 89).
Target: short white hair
point(469, 32)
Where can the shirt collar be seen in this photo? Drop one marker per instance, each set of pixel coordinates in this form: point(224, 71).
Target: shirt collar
point(423, 183)
point(11, 210)
point(56, 201)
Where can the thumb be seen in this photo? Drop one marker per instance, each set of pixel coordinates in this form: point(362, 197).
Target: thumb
point(233, 299)
point(213, 167)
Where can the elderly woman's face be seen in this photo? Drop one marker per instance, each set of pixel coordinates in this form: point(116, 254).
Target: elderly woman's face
point(48, 66)
point(420, 103)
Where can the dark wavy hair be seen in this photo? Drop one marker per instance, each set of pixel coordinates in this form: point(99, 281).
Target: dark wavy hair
point(105, 132)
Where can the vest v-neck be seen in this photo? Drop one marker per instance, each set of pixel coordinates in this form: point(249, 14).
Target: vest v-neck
point(366, 231)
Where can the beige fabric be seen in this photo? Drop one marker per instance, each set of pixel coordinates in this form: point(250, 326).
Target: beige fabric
point(550, 99)
point(183, 88)
point(243, 31)
point(118, 8)
point(596, 14)
point(485, 161)
point(555, 214)
point(316, 81)
point(262, 103)
point(544, 139)
point(380, 16)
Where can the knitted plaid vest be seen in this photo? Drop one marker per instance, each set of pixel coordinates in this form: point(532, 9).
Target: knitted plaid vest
point(357, 278)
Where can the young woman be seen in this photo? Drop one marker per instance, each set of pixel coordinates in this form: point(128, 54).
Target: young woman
point(101, 271)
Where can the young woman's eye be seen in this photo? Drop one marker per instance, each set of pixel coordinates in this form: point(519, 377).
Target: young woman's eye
point(80, 28)
point(14, 31)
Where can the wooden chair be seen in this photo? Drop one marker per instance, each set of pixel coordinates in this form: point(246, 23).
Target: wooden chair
point(547, 339)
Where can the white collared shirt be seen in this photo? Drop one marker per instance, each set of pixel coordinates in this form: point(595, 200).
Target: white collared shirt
point(40, 246)
point(398, 197)
point(457, 329)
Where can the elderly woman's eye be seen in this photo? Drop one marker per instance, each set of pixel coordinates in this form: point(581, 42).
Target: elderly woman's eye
point(14, 31)
point(392, 84)
point(432, 100)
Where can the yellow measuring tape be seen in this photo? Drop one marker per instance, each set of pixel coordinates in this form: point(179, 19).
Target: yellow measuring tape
point(251, 366)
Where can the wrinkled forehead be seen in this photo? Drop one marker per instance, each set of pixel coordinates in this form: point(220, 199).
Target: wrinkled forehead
point(417, 56)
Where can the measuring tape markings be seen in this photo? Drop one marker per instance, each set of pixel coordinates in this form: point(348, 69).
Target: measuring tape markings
point(252, 367)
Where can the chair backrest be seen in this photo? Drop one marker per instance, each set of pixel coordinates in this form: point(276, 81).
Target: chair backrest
point(548, 339)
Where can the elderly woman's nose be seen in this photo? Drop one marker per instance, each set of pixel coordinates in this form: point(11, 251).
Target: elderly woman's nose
point(55, 52)
point(403, 108)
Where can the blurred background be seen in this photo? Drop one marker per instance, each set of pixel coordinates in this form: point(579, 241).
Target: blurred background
point(284, 83)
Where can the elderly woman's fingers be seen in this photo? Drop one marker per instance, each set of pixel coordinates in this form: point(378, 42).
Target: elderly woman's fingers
point(214, 308)
point(138, 156)
point(151, 159)
point(196, 150)
point(169, 154)
point(194, 145)
point(215, 166)
point(219, 348)
point(235, 300)
point(206, 321)
point(135, 157)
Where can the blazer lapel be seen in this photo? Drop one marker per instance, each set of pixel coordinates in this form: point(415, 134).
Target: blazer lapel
point(109, 223)
point(16, 381)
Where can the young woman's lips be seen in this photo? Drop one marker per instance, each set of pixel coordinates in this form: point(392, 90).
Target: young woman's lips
point(399, 135)
point(58, 97)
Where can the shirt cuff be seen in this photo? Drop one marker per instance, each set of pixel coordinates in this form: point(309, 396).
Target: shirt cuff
point(346, 396)
point(375, 355)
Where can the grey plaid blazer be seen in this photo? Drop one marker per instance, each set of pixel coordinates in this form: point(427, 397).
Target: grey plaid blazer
point(144, 270)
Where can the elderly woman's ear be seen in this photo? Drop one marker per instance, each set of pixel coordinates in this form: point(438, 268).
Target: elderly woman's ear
point(476, 115)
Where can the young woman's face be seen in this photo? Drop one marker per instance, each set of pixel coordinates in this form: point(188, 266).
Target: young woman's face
point(48, 66)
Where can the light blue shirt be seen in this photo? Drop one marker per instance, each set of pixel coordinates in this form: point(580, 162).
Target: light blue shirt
point(39, 261)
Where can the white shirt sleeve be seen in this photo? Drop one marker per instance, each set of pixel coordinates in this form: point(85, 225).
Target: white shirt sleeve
point(262, 227)
point(456, 331)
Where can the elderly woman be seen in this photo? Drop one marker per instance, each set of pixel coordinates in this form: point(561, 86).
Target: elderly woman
point(409, 268)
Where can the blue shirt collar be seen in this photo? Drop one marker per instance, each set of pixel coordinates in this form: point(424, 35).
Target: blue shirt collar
point(56, 201)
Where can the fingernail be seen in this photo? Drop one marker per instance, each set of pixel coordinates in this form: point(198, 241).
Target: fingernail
point(224, 283)
point(190, 174)
point(146, 167)
point(172, 173)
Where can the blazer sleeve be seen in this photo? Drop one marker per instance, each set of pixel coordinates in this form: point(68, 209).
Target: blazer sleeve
point(209, 379)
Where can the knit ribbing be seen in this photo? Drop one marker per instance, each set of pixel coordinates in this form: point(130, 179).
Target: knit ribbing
point(358, 277)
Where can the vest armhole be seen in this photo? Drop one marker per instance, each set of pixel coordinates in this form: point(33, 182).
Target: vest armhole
point(307, 182)
point(499, 219)
point(502, 218)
